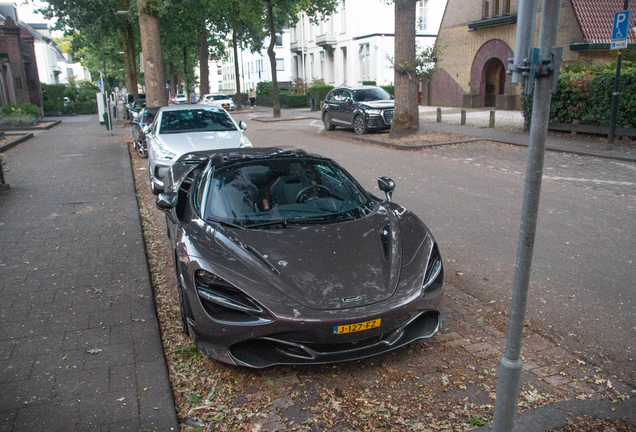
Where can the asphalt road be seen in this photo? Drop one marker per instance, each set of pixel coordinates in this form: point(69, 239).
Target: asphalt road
point(583, 275)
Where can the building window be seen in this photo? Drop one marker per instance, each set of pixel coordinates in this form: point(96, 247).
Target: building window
point(486, 8)
point(219, 70)
point(343, 17)
point(421, 15)
point(279, 40)
point(69, 71)
point(280, 64)
point(18, 83)
point(365, 62)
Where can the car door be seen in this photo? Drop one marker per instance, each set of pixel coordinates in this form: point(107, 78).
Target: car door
point(336, 106)
point(348, 107)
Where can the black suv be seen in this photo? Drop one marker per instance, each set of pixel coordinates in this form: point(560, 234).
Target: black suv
point(363, 108)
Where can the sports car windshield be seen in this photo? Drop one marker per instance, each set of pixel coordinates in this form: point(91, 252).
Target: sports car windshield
point(195, 120)
point(372, 94)
point(283, 191)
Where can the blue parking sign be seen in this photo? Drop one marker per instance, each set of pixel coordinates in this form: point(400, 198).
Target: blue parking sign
point(620, 28)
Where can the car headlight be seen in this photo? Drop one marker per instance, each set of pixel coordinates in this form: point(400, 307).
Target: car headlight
point(374, 111)
point(161, 152)
point(245, 142)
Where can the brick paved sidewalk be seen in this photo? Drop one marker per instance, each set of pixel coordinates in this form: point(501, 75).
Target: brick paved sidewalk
point(79, 342)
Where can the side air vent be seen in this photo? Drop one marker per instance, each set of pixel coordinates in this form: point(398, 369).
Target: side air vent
point(385, 241)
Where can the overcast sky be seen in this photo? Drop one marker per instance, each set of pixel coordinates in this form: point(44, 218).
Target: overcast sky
point(28, 12)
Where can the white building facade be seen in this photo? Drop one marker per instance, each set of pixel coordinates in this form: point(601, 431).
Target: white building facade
point(354, 45)
point(54, 66)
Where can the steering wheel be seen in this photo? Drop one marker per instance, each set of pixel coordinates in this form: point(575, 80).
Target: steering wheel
point(300, 197)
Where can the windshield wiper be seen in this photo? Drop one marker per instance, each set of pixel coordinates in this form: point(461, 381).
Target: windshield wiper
point(285, 222)
point(228, 224)
point(282, 222)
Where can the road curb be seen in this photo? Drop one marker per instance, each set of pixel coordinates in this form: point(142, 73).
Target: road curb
point(21, 138)
point(433, 145)
point(414, 147)
point(156, 407)
point(562, 150)
point(559, 414)
point(35, 128)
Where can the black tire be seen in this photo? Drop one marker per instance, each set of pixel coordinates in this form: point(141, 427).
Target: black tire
point(182, 312)
point(326, 120)
point(360, 125)
point(142, 151)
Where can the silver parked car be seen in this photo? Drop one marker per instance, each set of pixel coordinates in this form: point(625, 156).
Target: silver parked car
point(187, 128)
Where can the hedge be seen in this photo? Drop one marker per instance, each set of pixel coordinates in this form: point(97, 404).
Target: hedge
point(319, 92)
point(286, 100)
point(586, 96)
point(389, 88)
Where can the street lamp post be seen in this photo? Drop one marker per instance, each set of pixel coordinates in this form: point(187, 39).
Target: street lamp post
point(105, 79)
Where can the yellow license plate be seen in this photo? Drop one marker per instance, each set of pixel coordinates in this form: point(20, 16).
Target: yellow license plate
point(226, 105)
point(351, 328)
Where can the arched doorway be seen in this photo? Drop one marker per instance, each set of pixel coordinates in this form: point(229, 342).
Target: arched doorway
point(494, 77)
point(488, 67)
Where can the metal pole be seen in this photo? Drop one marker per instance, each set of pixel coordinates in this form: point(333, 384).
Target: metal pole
point(510, 367)
point(617, 81)
point(302, 50)
point(525, 35)
point(104, 82)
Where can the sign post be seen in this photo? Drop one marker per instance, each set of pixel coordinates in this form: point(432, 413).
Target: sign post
point(620, 31)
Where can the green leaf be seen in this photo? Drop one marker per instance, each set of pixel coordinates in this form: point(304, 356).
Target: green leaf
point(94, 350)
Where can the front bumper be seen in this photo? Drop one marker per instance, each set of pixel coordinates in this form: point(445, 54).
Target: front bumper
point(306, 336)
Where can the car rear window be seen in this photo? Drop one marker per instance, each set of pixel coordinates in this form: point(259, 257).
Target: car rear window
point(195, 120)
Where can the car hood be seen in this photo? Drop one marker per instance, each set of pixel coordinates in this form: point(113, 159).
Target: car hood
point(381, 104)
point(195, 141)
point(332, 266)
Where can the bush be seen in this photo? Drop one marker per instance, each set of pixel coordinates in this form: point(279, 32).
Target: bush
point(54, 91)
point(19, 110)
point(389, 88)
point(297, 101)
point(584, 93)
point(264, 88)
point(319, 92)
point(368, 83)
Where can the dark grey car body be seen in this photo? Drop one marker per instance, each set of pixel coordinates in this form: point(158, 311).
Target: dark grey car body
point(363, 108)
point(281, 293)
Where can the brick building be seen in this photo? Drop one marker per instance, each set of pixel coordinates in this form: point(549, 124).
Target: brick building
point(19, 80)
point(477, 38)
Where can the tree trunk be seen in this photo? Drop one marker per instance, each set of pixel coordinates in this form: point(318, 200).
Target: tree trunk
point(204, 56)
point(272, 58)
point(154, 72)
point(173, 80)
point(406, 118)
point(130, 53)
point(185, 73)
point(238, 101)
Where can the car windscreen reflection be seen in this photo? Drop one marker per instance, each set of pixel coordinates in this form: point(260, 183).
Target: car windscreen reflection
point(195, 120)
point(284, 192)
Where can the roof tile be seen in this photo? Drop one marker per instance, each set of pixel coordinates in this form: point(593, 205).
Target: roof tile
point(597, 16)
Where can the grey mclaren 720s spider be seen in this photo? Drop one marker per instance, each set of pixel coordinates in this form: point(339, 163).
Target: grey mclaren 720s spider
point(281, 257)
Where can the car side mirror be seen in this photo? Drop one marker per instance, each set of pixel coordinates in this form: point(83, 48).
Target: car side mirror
point(146, 129)
point(392, 97)
point(242, 125)
point(166, 201)
point(387, 186)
